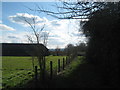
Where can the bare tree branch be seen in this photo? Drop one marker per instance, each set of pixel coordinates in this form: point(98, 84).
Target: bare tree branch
point(73, 10)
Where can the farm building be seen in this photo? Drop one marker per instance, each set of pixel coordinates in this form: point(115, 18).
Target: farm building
point(22, 49)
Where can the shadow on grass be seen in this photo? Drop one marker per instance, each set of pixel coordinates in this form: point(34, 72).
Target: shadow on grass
point(83, 76)
point(75, 75)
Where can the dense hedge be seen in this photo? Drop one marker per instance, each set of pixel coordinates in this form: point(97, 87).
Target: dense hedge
point(103, 31)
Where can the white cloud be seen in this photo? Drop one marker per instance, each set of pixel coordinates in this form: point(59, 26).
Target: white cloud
point(0, 21)
point(64, 33)
point(20, 18)
point(5, 27)
point(14, 37)
point(61, 32)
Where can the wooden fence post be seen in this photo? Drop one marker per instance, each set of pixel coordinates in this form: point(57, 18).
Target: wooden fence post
point(51, 70)
point(44, 68)
point(58, 65)
point(36, 73)
point(66, 60)
point(69, 60)
point(44, 63)
point(63, 63)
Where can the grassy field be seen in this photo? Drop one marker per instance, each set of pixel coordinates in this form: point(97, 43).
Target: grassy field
point(17, 70)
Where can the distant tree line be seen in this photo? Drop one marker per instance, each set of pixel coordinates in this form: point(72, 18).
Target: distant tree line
point(70, 50)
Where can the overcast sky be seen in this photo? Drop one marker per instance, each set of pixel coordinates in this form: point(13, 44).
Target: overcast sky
point(14, 30)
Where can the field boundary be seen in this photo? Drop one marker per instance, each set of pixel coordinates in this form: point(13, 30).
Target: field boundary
point(35, 74)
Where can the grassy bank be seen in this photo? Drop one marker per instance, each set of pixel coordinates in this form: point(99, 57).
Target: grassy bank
point(78, 75)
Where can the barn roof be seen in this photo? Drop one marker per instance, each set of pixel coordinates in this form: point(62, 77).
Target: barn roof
point(19, 49)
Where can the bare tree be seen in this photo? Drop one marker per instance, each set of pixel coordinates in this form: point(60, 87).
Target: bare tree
point(37, 37)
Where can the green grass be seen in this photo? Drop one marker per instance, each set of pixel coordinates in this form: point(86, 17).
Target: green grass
point(74, 64)
point(11, 66)
point(55, 61)
point(66, 78)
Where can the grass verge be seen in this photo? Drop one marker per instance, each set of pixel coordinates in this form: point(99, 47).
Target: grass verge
point(77, 75)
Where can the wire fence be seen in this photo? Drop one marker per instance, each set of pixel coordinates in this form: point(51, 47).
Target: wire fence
point(25, 75)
